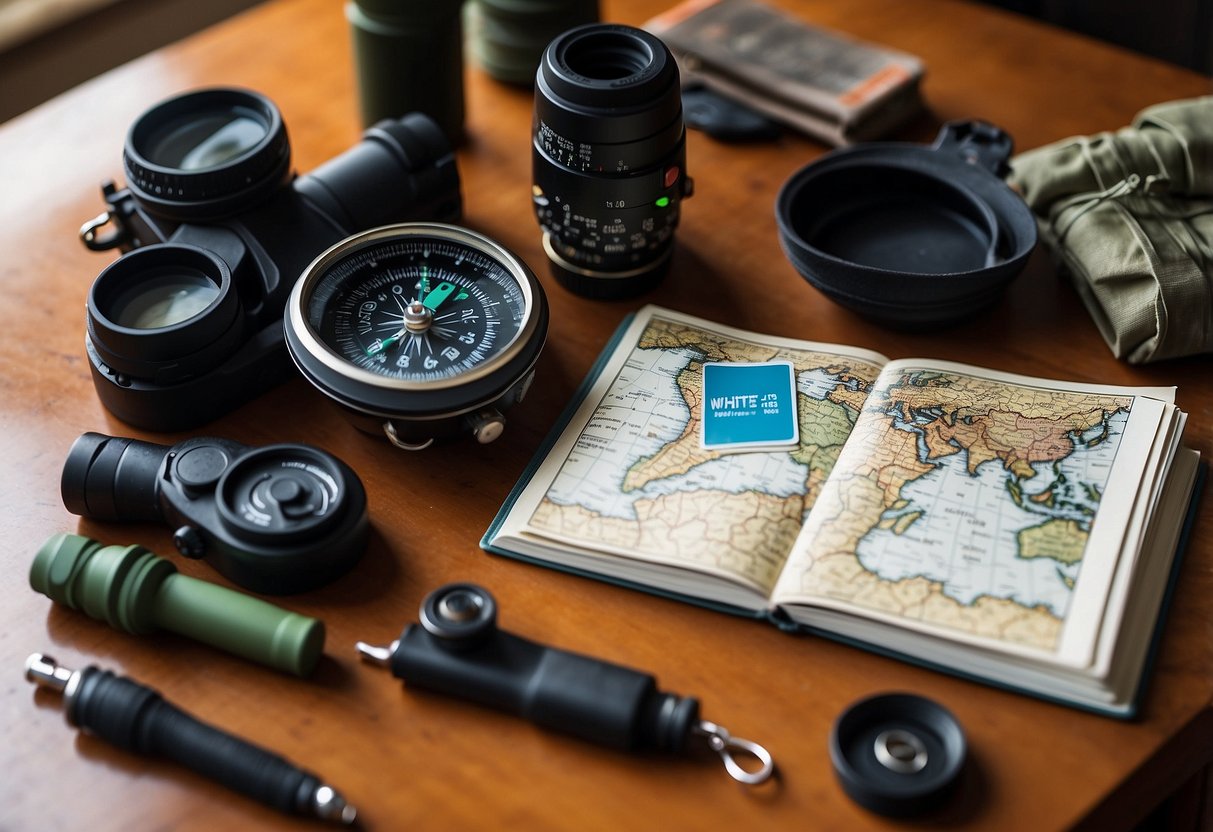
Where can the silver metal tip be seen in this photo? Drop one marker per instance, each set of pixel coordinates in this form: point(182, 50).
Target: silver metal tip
point(381, 656)
point(45, 672)
point(329, 805)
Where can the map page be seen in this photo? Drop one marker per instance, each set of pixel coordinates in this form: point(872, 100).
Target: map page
point(975, 504)
point(629, 477)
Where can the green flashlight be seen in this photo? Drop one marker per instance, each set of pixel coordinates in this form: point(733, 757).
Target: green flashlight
point(132, 589)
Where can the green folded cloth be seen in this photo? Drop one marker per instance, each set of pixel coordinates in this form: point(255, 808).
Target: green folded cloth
point(1130, 215)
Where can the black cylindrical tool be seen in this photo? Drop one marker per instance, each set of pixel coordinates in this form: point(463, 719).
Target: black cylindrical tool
point(138, 719)
point(457, 649)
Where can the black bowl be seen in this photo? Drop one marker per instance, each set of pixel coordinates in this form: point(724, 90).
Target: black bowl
point(909, 235)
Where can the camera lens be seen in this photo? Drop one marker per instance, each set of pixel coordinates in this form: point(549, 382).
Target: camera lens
point(206, 154)
point(609, 158)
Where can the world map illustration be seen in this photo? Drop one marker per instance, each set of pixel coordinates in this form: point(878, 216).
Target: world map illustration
point(950, 499)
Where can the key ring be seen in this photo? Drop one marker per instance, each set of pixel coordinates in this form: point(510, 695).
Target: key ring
point(726, 745)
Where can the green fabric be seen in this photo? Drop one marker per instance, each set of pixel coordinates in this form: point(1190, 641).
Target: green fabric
point(1130, 214)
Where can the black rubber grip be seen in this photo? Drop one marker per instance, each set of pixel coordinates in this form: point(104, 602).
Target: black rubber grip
point(598, 701)
point(138, 719)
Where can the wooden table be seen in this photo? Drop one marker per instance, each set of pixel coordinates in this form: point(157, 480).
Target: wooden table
point(411, 760)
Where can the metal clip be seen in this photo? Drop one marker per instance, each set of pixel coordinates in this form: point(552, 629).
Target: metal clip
point(725, 744)
point(94, 242)
point(389, 430)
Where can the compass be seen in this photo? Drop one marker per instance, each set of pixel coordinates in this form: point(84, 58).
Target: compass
point(420, 331)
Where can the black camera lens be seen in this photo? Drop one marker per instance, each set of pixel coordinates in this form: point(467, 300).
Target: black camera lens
point(609, 158)
point(208, 153)
point(164, 312)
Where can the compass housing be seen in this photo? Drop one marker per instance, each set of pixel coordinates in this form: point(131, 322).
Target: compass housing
point(414, 408)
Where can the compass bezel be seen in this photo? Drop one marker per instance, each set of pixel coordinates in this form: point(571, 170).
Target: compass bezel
point(310, 340)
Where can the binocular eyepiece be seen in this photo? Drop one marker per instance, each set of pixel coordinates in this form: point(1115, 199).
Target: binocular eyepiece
point(275, 519)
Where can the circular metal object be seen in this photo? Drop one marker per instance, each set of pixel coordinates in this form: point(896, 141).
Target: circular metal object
point(420, 331)
point(901, 751)
point(897, 754)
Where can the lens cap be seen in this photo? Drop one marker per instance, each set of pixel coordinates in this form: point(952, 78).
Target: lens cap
point(897, 754)
point(460, 614)
point(290, 518)
point(282, 493)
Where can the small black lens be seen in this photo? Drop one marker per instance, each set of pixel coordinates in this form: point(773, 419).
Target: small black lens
point(164, 311)
point(609, 158)
point(460, 605)
point(461, 615)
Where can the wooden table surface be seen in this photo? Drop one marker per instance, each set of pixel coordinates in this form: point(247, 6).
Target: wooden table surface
point(411, 760)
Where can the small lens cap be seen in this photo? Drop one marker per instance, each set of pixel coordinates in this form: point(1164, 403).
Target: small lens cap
point(897, 754)
point(459, 614)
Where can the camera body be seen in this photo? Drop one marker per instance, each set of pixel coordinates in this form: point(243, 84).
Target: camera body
point(275, 519)
point(216, 229)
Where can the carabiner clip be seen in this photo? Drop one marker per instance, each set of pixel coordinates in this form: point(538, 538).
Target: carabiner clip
point(726, 745)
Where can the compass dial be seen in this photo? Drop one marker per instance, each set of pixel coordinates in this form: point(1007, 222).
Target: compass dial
point(418, 310)
point(417, 320)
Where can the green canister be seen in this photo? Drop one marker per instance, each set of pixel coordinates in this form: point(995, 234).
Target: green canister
point(409, 58)
point(507, 37)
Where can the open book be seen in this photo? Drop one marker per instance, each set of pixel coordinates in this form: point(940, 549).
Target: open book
point(1010, 529)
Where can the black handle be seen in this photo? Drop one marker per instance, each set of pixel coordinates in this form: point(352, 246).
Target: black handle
point(138, 719)
point(978, 143)
point(592, 699)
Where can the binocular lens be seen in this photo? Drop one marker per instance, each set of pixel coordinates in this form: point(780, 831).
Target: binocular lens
point(207, 154)
point(162, 298)
point(199, 141)
point(165, 311)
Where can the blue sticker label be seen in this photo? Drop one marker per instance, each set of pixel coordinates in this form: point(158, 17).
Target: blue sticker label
point(749, 406)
